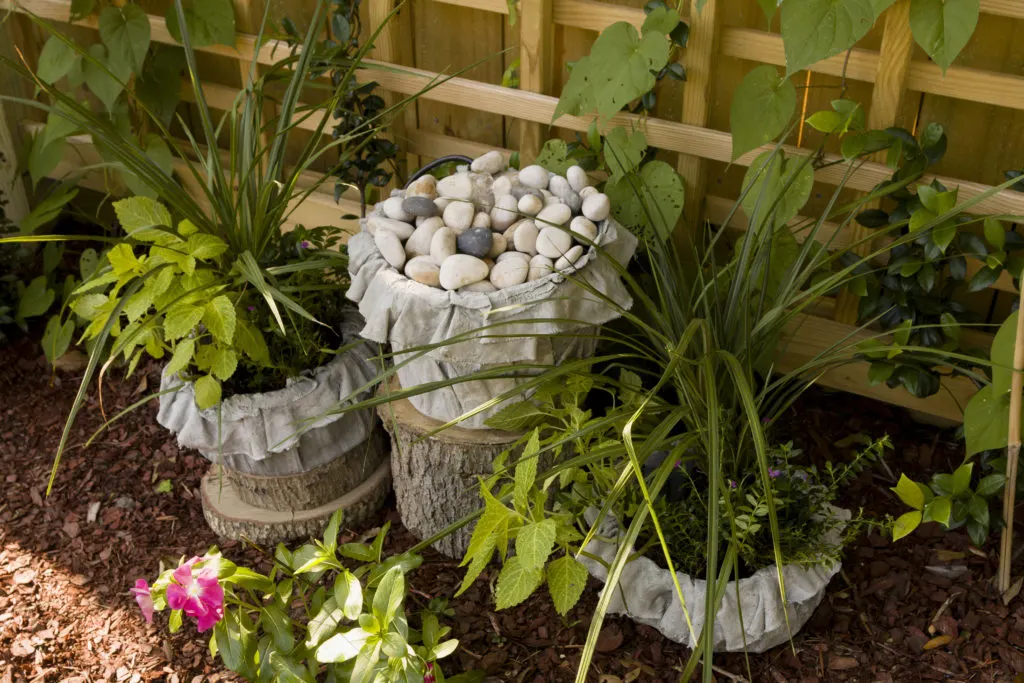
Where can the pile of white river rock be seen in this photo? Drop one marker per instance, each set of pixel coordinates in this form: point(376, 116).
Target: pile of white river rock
point(488, 226)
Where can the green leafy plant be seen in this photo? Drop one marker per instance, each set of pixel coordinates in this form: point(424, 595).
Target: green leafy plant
point(951, 500)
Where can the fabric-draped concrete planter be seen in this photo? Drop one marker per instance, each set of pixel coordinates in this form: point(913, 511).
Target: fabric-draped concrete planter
point(281, 467)
point(647, 594)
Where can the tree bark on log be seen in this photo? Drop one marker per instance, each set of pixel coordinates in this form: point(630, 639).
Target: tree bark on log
point(436, 477)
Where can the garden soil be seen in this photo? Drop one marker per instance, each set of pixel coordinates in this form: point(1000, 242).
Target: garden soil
point(922, 609)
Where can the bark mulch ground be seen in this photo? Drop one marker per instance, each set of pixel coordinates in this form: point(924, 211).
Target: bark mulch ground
point(922, 609)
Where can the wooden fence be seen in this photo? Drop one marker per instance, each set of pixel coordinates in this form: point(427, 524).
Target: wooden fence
point(980, 101)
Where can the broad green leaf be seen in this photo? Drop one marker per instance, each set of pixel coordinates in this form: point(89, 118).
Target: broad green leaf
point(567, 578)
point(554, 156)
point(938, 510)
point(205, 247)
point(623, 152)
point(106, 80)
point(348, 593)
point(87, 263)
point(155, 86)
point(526, 473)
point(977, 507)
point(181, 357)
point(342, 647)
point(55, 60)
point(389, 595)
point(661, 19)
point(813, 30)
point(445, 649)
point(181, 320)
point(995, 232)
point(123, 260)
point(140, 213)
point(962, 478)
point(36, 299)
point(81, 9)
point(249, 341)
point(658, 204)
point(278, 625)
point(209, 22)
point(943, 27)
point(43, 158)
point(207, 392)
point(324, 623)
point(489, 529)
point(125, 32)
point(776, 184)
point(534, 543)
point(219, 318)
point(517, 417)
point(58, 126)
point(57, 338)
point(986, 421)
point(905, 524)
point(879, 6)
point(762, 106)
point(1002, 355)
point(160, 154)
point(825, 121)
point(991, 485)
point(516, 582)
point(909, 492)
point(138, 304)
point(223, 363)
point(89, 305)
point(230, 641)
point(286, 669)
point(880, 371)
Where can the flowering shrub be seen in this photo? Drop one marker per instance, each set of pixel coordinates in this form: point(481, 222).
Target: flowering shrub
point(312, 615)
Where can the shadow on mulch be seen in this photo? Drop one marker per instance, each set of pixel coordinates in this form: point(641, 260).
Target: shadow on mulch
point(921, 609)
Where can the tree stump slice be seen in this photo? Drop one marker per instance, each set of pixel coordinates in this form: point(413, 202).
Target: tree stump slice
point(231, 517)
point(436, 477)
point(318, 486)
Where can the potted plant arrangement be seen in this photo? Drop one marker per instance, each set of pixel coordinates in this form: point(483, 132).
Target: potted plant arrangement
point(205, 279)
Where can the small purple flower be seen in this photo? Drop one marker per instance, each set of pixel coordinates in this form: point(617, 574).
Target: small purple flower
point(766, 420)
point(250, 308)
point(773, 473)
point(802, 476)
point(679, 463)
point(306, 244)
point(732, 484)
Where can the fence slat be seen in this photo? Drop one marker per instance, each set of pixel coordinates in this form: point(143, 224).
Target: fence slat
point(387, 48)
point(536, 67)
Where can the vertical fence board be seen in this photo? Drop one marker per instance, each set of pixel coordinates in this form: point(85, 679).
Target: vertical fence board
point(12, 140)
point(387, 48)
point(536, 67)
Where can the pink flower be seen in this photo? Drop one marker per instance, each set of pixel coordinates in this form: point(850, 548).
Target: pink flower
point(199, 594)
point(429, 676)
point(773, 473)
point(144, 598)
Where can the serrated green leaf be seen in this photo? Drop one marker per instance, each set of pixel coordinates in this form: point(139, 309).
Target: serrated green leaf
point(219, 317)
point(813, 30)
point(526, 473)
point(205, 247)
point(125, 32)
point(208, 392)
point(762, 106)
point(223, 363)
point(905, 524)
point(492, 525)
point(89, 305)
point(181, 320)
point(209, 22)
point(943, 27)
point(534, 543)
point(138, 304)
point(136, 214)
point(123, 260)
point(909, 492)
point(517, 417)
point(181, 357)
point(517, 582)
point(567, 578)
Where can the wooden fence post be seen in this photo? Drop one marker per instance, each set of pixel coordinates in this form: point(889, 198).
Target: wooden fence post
point(536, 73)
point(12, 186)
point(886, 99)
point(697, 59)
point(387, 48)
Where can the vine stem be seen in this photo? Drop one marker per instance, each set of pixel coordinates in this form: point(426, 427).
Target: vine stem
point(1013, 444)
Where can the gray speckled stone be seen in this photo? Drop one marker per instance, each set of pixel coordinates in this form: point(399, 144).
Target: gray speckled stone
point(476, 242)
point(419, 206)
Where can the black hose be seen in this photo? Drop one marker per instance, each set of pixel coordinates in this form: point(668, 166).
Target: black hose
point(440, 161)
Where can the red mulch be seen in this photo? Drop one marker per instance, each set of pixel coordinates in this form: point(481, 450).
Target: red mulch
point(920, 610)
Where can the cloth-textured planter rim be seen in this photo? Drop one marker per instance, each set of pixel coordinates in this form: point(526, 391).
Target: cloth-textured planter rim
point(647, 594)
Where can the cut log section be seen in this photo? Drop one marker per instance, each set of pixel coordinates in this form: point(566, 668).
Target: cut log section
point(319, 486)
point(436, 477)
point(231, 517)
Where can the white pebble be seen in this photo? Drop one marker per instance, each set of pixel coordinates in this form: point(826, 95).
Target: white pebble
point(534, 176)
point(577, 178)
point(424, 186)
point(390, 248)
point(530, 204)
point(509, 273)
point(553, 242)
point(393, 209)
point(501, 185)
point(498, 246)
point(374, 223)
point(458, 186)
point(425, 270)
point(505, 212)
point(460, 270)
point(419, 243)
point(459, 216)
point(442, 203)
point(525, 237)
point(597, 207)
point(587, 191)
point(582, 226)
point(540, 266)
point(567, 264)
point(551, 201)
point(514, 256)
point(482, 219)
point(443, 244)
point(546, 194)
point(484, 286)
point(492, 162)
point(556, 214)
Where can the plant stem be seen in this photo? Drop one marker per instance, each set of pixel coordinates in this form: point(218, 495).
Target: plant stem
point(1012, 451)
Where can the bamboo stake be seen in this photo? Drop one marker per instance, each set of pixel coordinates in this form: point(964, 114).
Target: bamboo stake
point(1013, 444)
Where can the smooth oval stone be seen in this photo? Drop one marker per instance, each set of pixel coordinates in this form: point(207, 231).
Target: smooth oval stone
point(425, 270)
point(534, 176)
point(505, 212)
point(530, 205)
point(567, 264)
point(442, 244)
point(501, 185)
point(597, 207)
point(498, 245)
point(492, 162)
point(484, 287)
point(461, 270)
point(374, 223)
point(424, 186)
point(577, 178)
point(525, 237)
point(459, 216)
point(390, 248)
point(519, 191)
point(442, 203)
point(560, 188)
point(509, 273)
point(515, 256)
point(588, 191)
point(392, 208)
point(553, 242)
point(458, 186)
point(476, 242)
point(581, 226)
point(419, 243)
point(419, 206)
point(556, 214)
point(482, 219)
point(540, 266)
